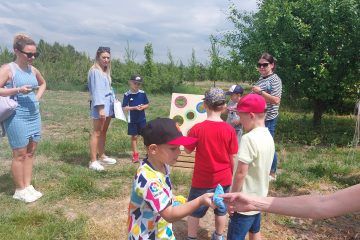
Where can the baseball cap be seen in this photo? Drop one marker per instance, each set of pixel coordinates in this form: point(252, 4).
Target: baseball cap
point(137, 78)
point(164, 131)
point(235, 89)
point(214, 95)
point(251, 103)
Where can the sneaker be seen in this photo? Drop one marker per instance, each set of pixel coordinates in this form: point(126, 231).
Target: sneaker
point(24, 195)
point(135, 157)
point(33, 191)
point(215, 236)
point(95, 165)
point(108, 160)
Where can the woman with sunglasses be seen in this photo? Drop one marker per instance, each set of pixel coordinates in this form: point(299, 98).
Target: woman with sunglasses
point(270, 87)
point(101, 107)
point(19, 79)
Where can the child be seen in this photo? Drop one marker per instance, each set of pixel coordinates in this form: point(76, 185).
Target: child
point(135, 101)
point(215, 148)
point(255, 156)
point(150, 211)
point(233, 119)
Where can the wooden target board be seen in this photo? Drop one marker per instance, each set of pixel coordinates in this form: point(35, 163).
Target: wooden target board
point(187, 110)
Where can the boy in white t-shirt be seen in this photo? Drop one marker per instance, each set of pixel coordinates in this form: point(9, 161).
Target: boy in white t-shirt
point(254, 158)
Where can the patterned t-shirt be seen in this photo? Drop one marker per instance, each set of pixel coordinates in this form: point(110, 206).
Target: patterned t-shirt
point(273, 86)
point(151, 193)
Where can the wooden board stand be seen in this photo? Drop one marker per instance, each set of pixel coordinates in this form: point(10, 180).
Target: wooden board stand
point(185, 162)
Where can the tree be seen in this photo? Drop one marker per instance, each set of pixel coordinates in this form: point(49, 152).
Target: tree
point(215, 61)
point(316, 42)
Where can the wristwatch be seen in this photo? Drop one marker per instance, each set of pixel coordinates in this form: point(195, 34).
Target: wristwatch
point(261, 91)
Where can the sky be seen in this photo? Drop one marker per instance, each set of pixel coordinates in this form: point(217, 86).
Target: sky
point(177, 26)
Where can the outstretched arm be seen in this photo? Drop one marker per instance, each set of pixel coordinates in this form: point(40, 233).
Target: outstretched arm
point(173, 214)
point(305, 206)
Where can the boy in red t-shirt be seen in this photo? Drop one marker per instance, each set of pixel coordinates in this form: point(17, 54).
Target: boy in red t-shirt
point(215, 148)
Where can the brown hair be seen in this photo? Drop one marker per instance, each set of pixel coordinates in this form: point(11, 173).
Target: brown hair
point(21, 40)
point(268, 57)
point(216, 106)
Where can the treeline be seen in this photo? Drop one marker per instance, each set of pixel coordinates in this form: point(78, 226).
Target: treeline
point(64, 68)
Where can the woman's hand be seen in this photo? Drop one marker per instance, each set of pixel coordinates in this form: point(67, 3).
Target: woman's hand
point(256, 89)
point(24, 89)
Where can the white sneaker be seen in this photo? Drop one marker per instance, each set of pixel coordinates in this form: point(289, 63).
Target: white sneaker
point(95, 165)
point(24, 195)
point(33, 191)
point(108, 160)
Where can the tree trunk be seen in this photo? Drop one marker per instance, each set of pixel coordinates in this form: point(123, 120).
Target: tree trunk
point(319, 108)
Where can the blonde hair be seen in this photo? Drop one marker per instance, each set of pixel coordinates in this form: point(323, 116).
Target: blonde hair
point(21, 40)
point(96, 65)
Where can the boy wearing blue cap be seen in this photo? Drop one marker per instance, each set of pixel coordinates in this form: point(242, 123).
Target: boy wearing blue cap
point(135, 102)
point(235, 92)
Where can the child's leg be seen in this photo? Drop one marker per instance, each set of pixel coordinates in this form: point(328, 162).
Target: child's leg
point(193, 225)
point(254, 236)
point(220, 222)
point(134, 143)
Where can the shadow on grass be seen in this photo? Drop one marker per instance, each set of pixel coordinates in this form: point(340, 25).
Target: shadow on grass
point(6, 184)
point(180, 230)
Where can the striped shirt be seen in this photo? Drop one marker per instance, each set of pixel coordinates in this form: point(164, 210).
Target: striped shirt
point(273, 86)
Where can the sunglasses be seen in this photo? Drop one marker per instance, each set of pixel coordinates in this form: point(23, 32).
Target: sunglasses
point(30, 54)
point(136, 83)
point(264, 65)
point(104, 49)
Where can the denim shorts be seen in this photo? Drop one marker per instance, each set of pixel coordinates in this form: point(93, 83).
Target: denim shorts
point(201, 211)
point(135, 128)
point(240, 225)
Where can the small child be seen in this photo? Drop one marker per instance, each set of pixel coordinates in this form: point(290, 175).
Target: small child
point(151, 211)
point(135, 102)
point(235, 92)
point(217, 143)
point(254, 161)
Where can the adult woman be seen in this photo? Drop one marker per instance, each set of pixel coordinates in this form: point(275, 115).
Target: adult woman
point(270, 87)
point(101, 107)
point(23, 127)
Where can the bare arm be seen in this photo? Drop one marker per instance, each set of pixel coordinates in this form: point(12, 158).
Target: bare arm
point(268, 97)
point(173, 214)
point(305, 206)
point(5, 75)
point(240, 174)
point(41, 82)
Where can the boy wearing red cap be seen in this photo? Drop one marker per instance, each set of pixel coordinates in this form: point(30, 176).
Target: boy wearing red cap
point(150, 210)
point(254, 160)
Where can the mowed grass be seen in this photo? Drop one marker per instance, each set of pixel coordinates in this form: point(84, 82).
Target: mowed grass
point(82, 204)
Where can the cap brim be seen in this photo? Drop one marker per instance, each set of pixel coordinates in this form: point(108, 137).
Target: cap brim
point(228, 93)
point(182, 140)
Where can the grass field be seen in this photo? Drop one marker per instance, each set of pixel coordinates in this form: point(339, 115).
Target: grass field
point(82, 204)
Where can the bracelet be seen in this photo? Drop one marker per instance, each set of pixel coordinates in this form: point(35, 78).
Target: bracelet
point(18, 91)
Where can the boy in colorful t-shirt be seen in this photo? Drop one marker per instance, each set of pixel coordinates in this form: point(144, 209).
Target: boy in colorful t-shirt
point(150, 210)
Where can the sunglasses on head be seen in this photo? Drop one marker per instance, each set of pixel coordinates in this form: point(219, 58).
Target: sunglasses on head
point(103, 49)
point(264, 65)
point(30, 54)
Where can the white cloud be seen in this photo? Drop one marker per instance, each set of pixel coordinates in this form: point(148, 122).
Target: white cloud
point(178, 26)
